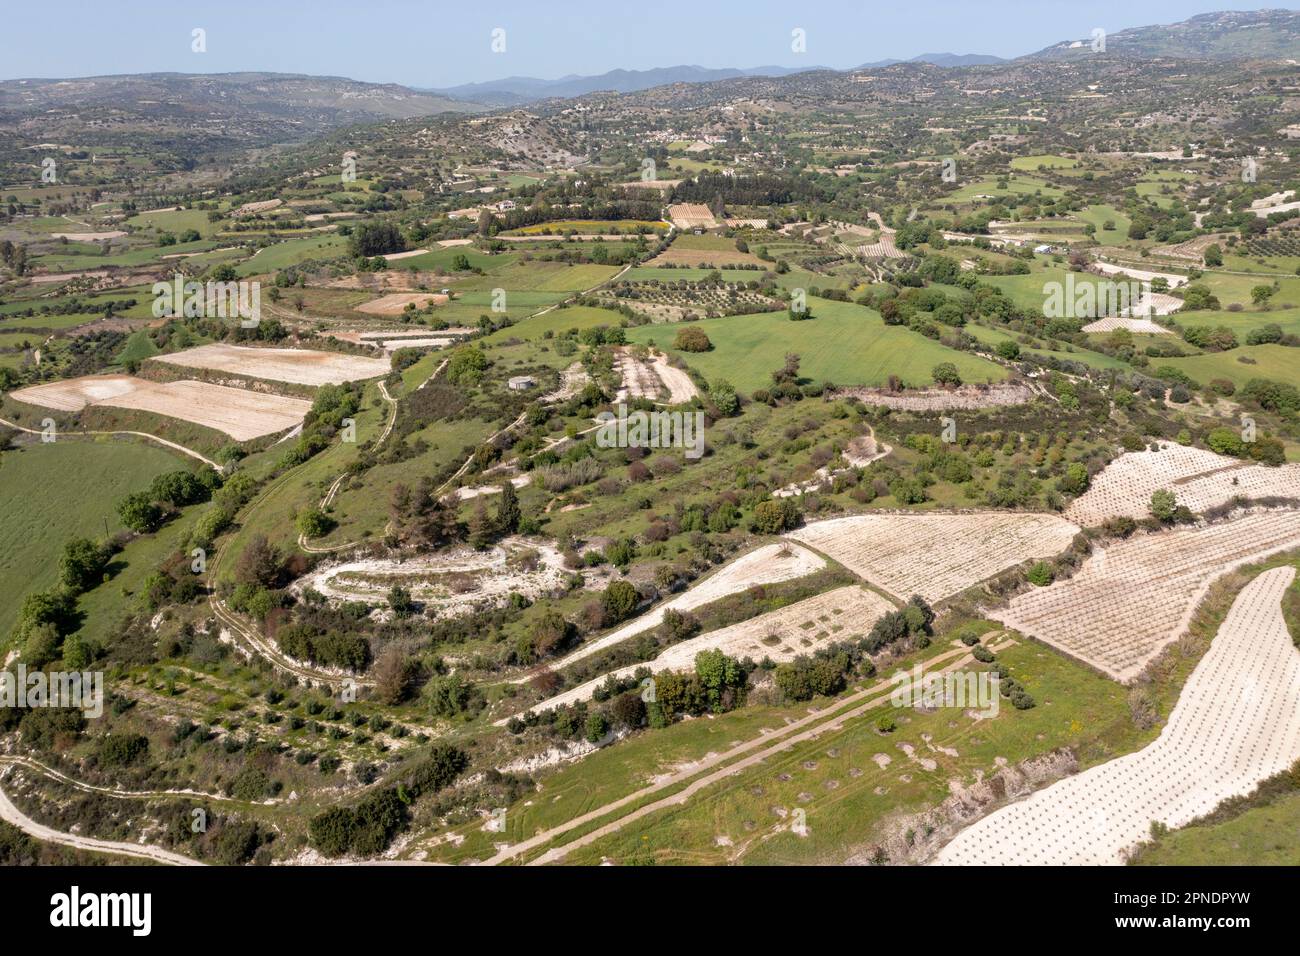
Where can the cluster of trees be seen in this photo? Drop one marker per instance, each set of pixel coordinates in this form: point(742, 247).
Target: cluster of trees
point(368, 827)
point(146, 511)
point(913, 622)
point(329, 409)
point(824, 674)
point(375, 239)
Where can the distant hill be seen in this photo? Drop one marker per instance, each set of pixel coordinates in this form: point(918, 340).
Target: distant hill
point(1244, 34)
point(310, 101)
point(515, 90)
point(940, 59)
point(202, 114)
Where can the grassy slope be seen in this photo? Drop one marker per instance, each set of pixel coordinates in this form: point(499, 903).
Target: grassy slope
point(844, 343)
point(47, 498)
point(1264, 836)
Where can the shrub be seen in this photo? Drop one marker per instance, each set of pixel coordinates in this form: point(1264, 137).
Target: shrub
point(692, 339)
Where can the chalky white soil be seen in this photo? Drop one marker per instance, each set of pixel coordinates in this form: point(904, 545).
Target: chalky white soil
point(1199, 479)
point(1234, 725)
point(240, 413)
point(1129, 600)
point(936, 555)
point(300, 366)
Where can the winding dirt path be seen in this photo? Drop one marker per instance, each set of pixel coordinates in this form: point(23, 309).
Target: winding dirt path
point(338, 482)
point(162, 441)
point(12, 815)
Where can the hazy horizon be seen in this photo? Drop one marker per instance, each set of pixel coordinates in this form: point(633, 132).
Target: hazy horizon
point(441, 46)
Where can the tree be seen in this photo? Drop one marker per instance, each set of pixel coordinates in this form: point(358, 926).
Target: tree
point(508, 511)
point(399, 599)
point(723, 395)
point(597, 727)
point(1226, 441)
point(691, 339)
point(618, 601)
point(179, 488)
point(775, 515)
point(394, 674)
point(717, 674)
point(1260, 294)
point(466, 365)
point(375, 239)
point(1075, 480)
point(481, 528)
point(139, 513)
point(1213, 255)
point(314, 523)
point(82, 565)
point(945, 373)
point(259, 564)
point(1163, 504)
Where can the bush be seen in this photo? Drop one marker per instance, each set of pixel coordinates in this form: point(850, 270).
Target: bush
point(945, 373)
point(1041, 574)
point(692, 339)
point(619, 601)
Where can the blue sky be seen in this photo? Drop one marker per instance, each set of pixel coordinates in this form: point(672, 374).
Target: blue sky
point(436, 43)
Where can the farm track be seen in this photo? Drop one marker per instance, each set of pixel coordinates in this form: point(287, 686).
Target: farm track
point(758, 749)
point(28, 763)
point(252, 641)
point(162, 441)
point(15, 817)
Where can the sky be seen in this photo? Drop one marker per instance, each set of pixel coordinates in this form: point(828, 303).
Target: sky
point(433, 44)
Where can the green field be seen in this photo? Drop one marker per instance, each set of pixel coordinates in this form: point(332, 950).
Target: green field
point(1017, 186)
point(46, 499)
point(1099, 215)
point(1030, 163)
point(293, 251)
point(1262, 836)
point(843, 343)
point(1276, 362)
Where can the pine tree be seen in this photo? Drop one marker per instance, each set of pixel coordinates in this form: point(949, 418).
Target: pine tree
point(508, 513)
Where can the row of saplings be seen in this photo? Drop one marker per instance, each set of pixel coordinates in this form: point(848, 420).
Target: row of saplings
point(720, 683)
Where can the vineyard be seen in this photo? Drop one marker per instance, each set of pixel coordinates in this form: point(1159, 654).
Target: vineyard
point(1131, 599)
point(1200, 479)
point(936, 555)
point(1233, 726)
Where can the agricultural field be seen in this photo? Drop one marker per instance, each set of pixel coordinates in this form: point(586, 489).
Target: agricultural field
point(371, 577)
point(842, 343)
point(297, 366)
point(1199, 479)
point(241, 414)
point(46, 500)
point(935, 555)
point(1132, 598)
point(1249, 679)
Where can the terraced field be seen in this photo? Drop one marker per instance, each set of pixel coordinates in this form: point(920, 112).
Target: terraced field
point(935, 555)
point(1200, 479)
point(842, 614)
point(1233, 726)
point(1131, 599)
